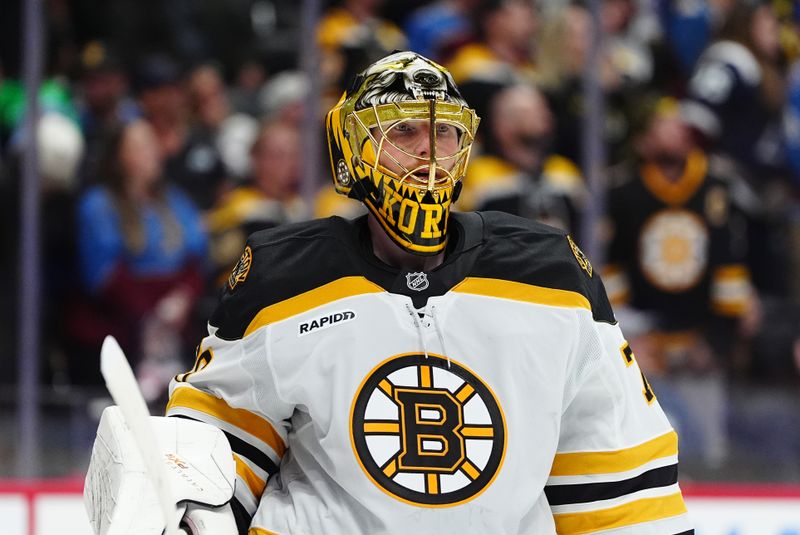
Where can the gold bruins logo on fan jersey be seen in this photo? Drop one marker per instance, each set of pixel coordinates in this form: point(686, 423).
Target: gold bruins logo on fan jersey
point(241, 269)
point(427, 430)
point(673, 250)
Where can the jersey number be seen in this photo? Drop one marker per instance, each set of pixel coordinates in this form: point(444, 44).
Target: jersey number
point(627, 354)
point(202, 360)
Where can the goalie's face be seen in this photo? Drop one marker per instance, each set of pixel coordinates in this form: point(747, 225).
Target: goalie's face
point(414, 155)
point(400, 139)
point(417, 153)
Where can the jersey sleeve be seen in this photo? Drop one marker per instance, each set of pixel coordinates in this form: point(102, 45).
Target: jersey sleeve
point(232, 387)
point(616, 467)
point(229, 387)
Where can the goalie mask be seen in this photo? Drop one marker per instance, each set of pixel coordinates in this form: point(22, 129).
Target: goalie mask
point(399, 141)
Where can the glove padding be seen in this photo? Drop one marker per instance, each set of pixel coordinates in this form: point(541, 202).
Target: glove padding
point(119, 498)
point(202, 520)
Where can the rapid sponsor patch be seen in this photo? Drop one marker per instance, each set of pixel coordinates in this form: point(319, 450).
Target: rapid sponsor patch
point(323, 322)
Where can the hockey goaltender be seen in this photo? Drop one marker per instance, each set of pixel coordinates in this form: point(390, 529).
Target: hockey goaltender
point(414, 370)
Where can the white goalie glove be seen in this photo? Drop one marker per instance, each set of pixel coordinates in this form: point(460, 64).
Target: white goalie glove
point(121, 499)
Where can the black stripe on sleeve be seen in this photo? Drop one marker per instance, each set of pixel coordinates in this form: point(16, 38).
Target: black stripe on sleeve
point(242, 517)
point(258, 457)
point(590, 492)
point(690, 532)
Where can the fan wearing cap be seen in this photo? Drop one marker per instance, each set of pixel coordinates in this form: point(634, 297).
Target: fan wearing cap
point(420, 371)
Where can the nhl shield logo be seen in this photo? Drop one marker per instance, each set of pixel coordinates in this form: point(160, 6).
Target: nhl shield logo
point(417, 281)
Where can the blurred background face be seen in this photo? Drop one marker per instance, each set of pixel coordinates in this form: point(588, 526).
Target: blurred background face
point(522, 126)
point(515, 24)
point(616, 15)
point(765, 32)
point(275, 160)
point(251, 76)
point(667, 143)
point(577, 31)
point(102, 90)
point(209, 100)
point(164, 103)
point(140, 156)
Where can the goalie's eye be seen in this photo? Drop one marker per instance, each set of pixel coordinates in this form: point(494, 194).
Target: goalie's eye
point(413, 136)
point(446, 133)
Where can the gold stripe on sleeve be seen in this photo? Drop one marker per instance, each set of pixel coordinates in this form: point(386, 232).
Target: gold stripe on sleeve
point(191, 398)
point(327, 293)
point(254, 483)
point(519, 291)
point(260, 531)
point(609, 462)
point(636, 512)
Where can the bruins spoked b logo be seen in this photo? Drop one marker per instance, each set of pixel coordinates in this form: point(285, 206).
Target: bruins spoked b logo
point(426, 432)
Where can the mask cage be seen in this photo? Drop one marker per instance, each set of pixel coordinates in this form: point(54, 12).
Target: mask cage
point(361, 128)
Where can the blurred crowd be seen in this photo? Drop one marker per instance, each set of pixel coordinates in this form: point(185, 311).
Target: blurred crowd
point(172, 130)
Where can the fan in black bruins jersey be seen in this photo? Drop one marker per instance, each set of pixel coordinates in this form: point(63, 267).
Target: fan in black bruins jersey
point(676, 254)
point(676, 274)
point(422, 371)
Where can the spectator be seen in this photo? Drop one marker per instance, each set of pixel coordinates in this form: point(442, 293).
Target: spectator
point(518, 173)
point(352, 35)
point(191, 159)
point(504, 46)
point(791, 115)
point(283, 97)
point(269, 198)
point(435, 29)
point(54, 95)
point(673, 261)
point(141, 246)
point(250, 77)
point(735, 100)
point(688, 28)
point(502, 53)
point(629, 52)
point(791, 139)
point(103, 104)
point(60, 147)
point(561, 59)
point(737, 89)
point(230, 133)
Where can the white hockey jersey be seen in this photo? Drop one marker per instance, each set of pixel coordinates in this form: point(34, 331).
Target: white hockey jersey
point(492, 395)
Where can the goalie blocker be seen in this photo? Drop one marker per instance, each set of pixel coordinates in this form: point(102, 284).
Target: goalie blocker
point(120, 499)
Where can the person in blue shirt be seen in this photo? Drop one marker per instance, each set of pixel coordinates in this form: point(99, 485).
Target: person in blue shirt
point(142, 247)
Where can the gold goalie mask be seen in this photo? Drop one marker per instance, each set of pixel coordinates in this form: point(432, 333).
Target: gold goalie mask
point(399, 141)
